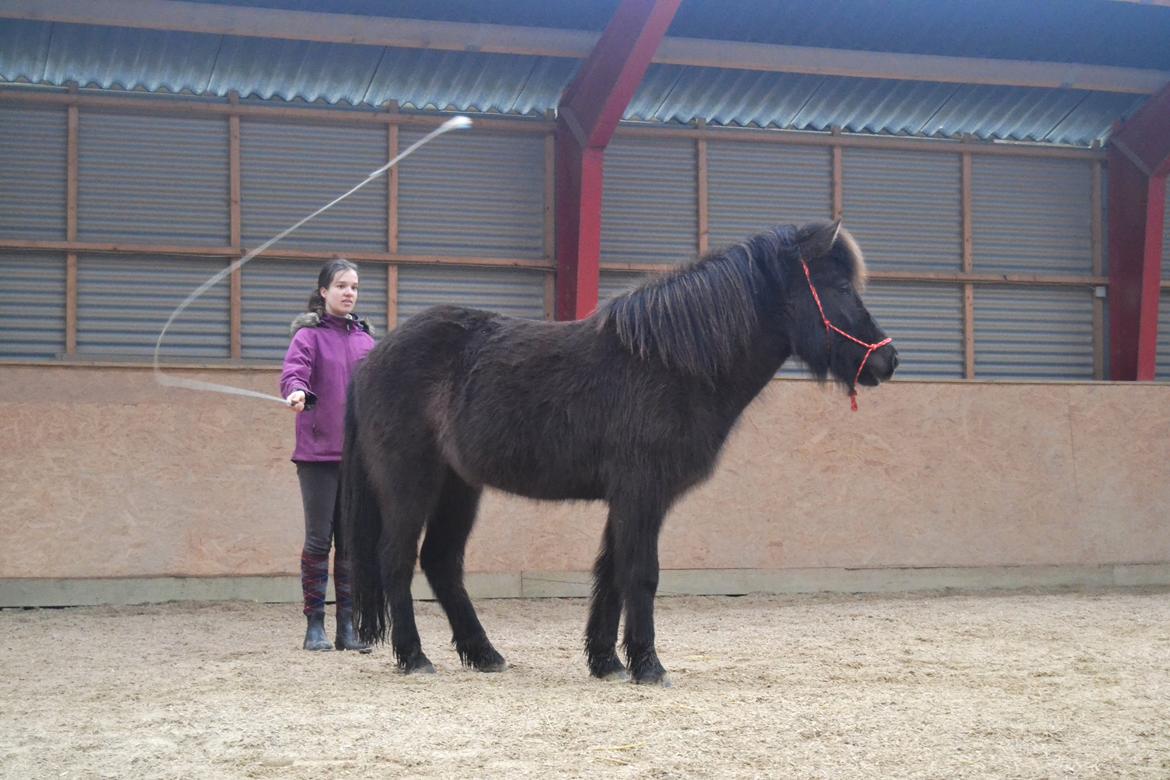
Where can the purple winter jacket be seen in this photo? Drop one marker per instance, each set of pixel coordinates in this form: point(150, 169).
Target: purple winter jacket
point(320, 360)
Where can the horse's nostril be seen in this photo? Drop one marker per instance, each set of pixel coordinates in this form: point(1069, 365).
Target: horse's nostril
point(893, 363)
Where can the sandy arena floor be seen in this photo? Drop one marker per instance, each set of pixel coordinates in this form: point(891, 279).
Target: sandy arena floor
point(960, 685)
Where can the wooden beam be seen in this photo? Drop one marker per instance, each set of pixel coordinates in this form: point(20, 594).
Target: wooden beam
point(703, 218)
point(575, 44)
point(235, 315)
point(392, 191)
point(275, 253)
point(188, 250)
point(1139, 161)
point(967, 265)
point(587, 116)
point(236, 295)
point(931, 277)
point(72, 139)
point(1097, 232)
point(838, 177)
point(550, 196)
point(550, 296)
point(72, 124)
point(391, 296)
point(852, 63)
point(598, 95)
point(70, 304)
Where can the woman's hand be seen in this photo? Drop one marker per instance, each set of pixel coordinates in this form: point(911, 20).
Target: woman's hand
point(296, 400)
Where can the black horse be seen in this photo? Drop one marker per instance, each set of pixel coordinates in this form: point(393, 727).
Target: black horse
point(630, 405)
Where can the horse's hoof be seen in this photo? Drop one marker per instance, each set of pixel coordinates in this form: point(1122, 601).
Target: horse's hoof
point(317, 647)
point(417, 664)
point(482, 657)
point(662, 681)
point(649, 672)
point(609, 668)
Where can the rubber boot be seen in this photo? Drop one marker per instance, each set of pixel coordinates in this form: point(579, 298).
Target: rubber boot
point(315, 638)
point(347, 638)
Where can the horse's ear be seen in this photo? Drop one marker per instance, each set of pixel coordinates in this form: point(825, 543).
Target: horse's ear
point(817, 238)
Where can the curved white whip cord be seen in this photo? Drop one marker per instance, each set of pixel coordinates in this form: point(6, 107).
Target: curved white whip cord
point(454, 123)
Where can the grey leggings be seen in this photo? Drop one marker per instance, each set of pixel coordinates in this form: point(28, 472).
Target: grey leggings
point(318, 494)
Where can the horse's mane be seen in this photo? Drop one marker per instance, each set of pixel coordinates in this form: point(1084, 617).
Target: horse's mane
point(700, 317)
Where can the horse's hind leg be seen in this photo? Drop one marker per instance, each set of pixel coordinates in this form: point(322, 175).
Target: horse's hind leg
point(406, 498)
point(605, 611)
point(442, 562)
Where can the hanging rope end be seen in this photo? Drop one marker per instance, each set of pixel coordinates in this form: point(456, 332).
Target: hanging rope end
point(853, 399)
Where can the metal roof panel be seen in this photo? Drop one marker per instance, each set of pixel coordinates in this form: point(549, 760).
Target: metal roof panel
point(213, 65)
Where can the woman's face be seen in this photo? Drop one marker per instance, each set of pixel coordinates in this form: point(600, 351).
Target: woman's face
point(341, 294)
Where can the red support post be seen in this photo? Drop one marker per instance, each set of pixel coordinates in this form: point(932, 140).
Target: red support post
point(587, 115)
point(1139, 161)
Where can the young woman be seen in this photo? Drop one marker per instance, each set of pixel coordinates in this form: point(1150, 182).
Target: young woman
point(328, 342)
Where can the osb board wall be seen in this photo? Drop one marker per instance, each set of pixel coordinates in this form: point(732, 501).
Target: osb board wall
point(106, 474)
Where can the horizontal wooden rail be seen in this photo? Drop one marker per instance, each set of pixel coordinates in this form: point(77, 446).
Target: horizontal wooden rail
point(188, 250)
point(536, 264)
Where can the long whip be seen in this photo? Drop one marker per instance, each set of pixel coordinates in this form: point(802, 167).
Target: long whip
point(454, 123)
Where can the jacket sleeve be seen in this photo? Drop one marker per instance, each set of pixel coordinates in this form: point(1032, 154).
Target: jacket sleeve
point(298, 363)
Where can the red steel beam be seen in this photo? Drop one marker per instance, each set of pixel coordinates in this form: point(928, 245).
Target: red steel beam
point(1139, 161)
point(587, 115)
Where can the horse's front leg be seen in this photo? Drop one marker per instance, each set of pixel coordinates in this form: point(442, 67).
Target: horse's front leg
point(637, 562)
point(605, 611)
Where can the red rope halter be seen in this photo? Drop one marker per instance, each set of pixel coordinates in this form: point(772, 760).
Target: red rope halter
point(869, 348)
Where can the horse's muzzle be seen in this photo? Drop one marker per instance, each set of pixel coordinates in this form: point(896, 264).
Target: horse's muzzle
point(880, 366)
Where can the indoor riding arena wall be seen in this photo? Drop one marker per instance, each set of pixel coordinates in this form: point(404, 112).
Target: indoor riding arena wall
point(117, 490)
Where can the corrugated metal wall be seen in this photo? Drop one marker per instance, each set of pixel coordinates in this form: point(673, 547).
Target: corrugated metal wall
point(165, 180)
point(1162, 369)
point(288, 171)
point(273, 292)
point(1162, 359)
point(123, 302)
point(32, 174)
point(1166, 237)
point(149, 179)
point(926, 323)
point(1031, 215)
point(1033, 333)
point(32, 306)
point(904, 208)
point(472, 193)
point(515, 292)
point(614, 283)
point(754, 186)
point(649, 211)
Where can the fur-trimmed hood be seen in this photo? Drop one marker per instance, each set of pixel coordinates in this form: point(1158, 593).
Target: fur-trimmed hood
point(312, 319)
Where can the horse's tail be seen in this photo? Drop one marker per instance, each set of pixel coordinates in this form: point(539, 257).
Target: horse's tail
point(359, 528)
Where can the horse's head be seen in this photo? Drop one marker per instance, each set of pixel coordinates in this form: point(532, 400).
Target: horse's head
point(831, 268)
